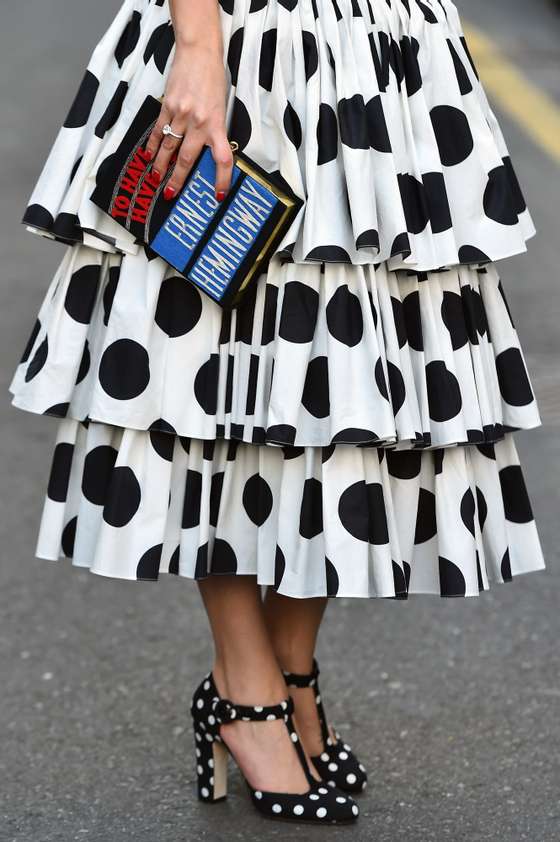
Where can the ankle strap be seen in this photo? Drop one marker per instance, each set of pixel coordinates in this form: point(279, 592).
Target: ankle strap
point(227, 711)
point(294, 679)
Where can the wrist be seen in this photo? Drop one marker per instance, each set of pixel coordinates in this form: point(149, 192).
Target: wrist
point(209, 43)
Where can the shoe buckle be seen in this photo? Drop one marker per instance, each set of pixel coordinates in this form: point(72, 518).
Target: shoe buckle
point(224, 710)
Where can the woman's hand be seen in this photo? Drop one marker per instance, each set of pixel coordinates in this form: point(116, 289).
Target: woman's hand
point(194, 105)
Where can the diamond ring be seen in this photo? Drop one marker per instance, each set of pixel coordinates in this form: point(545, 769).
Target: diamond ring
point(167, 130)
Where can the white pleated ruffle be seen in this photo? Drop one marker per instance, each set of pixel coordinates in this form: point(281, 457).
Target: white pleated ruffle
point(371, 111)
point(316, 355)
point(339, 521)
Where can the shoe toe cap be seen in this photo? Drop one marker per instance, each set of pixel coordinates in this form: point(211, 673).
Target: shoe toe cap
point(320, 804)
point(336, 805)
point(340, 768)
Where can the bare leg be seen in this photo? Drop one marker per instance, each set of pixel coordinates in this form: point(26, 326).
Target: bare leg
point(246, 671)
point(293, 626)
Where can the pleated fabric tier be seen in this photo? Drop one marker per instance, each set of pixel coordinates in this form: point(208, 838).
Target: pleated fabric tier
point(317, 355)
point(308, 521)
point(371, 110)
point(349, 430)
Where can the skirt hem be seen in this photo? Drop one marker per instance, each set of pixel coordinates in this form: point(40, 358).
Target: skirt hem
point(400, 595)
point(262, 439)
point(395, 262)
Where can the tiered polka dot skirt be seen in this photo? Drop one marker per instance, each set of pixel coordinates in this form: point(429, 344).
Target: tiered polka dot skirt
point(348, 431)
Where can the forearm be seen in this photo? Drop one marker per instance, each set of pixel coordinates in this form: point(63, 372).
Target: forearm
point(196, 23)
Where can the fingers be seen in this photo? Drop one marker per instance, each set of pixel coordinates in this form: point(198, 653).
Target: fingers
point(188, 152)
point(168, 148)
point(223, 156)
point(165, 150)
point(156, 137)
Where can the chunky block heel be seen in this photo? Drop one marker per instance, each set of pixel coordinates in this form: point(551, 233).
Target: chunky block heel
point(211, 768)
point(337, 764)
point(320, 804)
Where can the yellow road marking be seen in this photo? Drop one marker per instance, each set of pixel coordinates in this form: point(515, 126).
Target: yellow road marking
point(536, 113)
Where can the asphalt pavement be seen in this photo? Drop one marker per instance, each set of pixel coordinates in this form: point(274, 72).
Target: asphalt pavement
point(454, 703)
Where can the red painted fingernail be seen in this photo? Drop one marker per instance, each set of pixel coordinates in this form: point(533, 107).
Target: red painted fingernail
point(220, 195)
point(169, 192)
point(156, 177)
point(149, 154)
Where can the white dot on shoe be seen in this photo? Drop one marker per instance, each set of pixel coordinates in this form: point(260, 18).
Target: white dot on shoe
point(298, 809)
point(283, 705)
point(333, 767)
point(351, 778)
point(341, 799)
point(314, 796)
point(321, 812)
point(355, 809)
point(206, 685)
point(211, 780)
point(318, 699)
point(322, 790)
point(258, 795)
point(343, 755)
point(200, 770)
point(271, 716)
point(347, 747)
point(211, 763)
point(198, 752)
point(294, 737)
point(204, 792)
point(200, 704)
point(209, 737)
point(276, 808)
point(331, 783)
point(363, 768)
point(258, 708)
point(325, 756)
point(211, 719)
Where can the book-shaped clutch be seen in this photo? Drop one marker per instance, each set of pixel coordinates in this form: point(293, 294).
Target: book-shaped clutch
point(219, 246)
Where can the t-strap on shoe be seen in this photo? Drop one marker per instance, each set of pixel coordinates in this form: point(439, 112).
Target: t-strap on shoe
point(320, 803)
point(337, 764)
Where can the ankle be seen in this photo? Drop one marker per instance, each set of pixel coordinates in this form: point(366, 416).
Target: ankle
point(291, 658)
point(249, 686)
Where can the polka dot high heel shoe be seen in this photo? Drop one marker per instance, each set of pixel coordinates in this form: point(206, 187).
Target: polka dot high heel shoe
point(337, 764)
point(319, 804)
